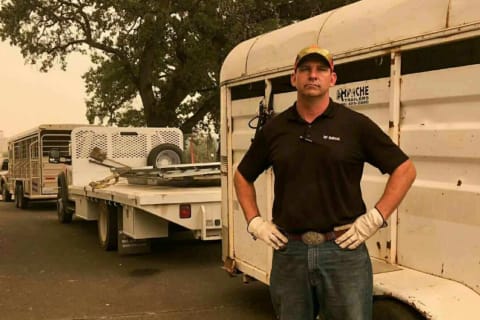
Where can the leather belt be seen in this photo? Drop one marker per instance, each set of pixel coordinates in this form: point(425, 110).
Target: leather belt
point(315, 238)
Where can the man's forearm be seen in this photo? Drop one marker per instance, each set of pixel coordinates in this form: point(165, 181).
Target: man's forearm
point(397, 187)
point(367, 224)
point(257, 226)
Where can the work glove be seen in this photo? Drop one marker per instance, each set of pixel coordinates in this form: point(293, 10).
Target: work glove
point(267, 232)
point(363, 228)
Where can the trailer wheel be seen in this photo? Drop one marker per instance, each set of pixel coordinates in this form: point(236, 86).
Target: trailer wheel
point(388, 309)
point(20, 200)
point(6, 195)
point(164, 154)
point(107, 226)
point(63, 213)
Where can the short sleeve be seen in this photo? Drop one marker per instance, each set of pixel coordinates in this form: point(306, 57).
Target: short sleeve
point(380, 150)
point(256, 159)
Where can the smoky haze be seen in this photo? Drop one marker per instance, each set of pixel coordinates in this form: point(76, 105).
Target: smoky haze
point(30, 97)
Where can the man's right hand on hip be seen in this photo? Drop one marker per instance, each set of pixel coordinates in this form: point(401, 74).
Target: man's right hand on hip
point(267, 232)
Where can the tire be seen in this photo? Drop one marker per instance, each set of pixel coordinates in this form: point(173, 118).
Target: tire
point(20, 200)
point(107, 227)
point(16, 195)
point(65, 215)
point(164, 154)
point(388, 309)
point(6, 195)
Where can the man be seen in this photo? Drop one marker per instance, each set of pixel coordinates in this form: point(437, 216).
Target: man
point(317, 149)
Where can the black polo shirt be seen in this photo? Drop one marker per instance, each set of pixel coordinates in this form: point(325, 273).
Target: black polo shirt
point(318, 165)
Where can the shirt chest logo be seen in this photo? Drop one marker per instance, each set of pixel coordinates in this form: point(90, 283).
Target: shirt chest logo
point(331, 138)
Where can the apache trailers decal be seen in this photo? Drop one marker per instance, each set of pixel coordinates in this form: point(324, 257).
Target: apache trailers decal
point(352, 96)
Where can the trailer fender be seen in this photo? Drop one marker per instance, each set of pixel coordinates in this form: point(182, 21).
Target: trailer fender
point(433, 297)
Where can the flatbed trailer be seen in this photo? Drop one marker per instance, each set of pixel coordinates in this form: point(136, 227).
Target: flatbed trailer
point(138, 188)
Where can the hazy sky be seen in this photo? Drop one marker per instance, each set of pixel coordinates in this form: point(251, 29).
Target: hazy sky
point(30, 97)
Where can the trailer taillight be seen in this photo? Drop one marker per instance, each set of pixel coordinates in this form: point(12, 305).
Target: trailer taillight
point(185, 211)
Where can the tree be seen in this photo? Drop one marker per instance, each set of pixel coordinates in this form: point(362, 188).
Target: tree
point(165, 53)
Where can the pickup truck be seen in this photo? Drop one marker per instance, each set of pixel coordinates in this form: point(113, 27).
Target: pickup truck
point(6, 195)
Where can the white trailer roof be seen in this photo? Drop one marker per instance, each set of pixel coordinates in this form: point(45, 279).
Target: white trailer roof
point(42, 127)
point(349, 30)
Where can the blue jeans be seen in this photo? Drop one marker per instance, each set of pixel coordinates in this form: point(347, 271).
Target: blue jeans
point(335, 283)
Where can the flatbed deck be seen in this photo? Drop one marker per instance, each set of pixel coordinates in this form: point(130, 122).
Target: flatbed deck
point(139, 195)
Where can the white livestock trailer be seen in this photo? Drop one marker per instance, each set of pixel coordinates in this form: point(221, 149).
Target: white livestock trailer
point(414, 68)
point(31, 176)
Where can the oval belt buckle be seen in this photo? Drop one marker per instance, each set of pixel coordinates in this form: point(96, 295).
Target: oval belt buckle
point(313, 238)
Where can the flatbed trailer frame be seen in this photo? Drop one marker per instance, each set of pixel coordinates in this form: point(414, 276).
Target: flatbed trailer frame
point(111, 181)
point(143, 207)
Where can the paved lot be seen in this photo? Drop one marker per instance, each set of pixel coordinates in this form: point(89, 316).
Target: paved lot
point(54, 271)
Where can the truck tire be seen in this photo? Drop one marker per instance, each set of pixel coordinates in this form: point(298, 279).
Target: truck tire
point(63, 212)
point(164, 154)
point(20, 200)
point(389, 309)
point(107, 227)
point(6, 195)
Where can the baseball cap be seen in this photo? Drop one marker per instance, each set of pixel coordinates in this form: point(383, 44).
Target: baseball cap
point(313, 49)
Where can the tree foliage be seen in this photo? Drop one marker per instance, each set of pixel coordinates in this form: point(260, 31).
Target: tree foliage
point(166, 54)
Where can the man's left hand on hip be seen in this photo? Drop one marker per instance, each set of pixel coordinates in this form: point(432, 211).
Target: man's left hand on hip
point(363, 228)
